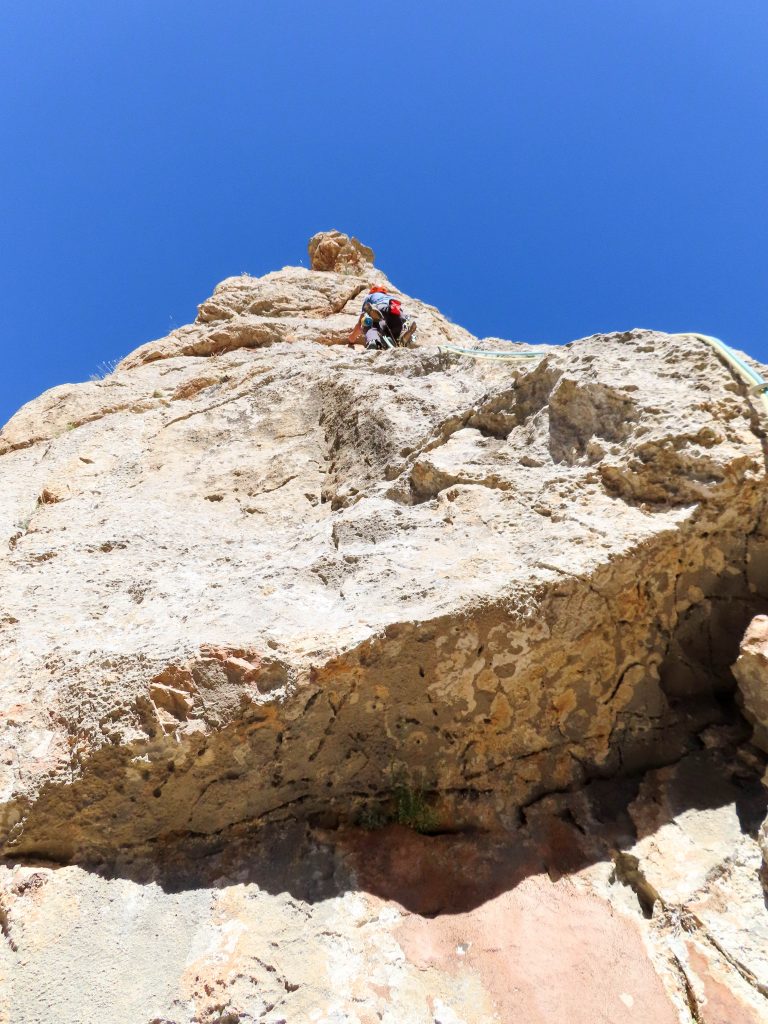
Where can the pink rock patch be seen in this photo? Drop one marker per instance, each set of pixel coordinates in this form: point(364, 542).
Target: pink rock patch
point(545, 953)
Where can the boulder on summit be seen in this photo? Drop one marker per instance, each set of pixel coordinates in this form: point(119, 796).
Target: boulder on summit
point(333, 250)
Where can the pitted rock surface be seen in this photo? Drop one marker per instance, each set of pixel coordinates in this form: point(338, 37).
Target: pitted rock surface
point(333, 250)
point(751, 671)
point(256, 582)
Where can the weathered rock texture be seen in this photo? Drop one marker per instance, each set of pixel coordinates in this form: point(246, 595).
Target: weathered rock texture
point(751, 671)
point(257, 585)
point(332, 250)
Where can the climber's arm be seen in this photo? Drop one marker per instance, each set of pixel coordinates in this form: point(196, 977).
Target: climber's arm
point(357, 330)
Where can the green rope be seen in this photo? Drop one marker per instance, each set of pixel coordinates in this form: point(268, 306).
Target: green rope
point(758, 385)
point(476, 353)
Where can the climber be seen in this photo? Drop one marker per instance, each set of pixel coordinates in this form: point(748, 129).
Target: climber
point(382, 321)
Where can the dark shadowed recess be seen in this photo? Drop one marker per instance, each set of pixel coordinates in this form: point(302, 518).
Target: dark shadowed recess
point(449, 873)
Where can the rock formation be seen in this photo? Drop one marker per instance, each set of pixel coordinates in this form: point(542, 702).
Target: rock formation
point(267, 605)
point(332, 250)
point(751, 671)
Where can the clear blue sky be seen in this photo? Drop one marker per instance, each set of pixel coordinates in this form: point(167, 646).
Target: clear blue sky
point(539, 169)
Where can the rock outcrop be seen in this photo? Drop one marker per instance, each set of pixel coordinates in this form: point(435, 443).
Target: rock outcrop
point(751, 671)
point(333, 250)
point(260, 593)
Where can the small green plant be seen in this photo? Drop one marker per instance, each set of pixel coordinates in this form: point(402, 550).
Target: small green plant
point(412, 809)
point(21, 527)
point(23, 522)
point(404, 804)
point(372, 818)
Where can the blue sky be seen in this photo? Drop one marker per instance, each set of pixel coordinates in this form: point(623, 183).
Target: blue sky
point(539, 169)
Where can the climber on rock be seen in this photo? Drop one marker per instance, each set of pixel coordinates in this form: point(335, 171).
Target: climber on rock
point(382, 321)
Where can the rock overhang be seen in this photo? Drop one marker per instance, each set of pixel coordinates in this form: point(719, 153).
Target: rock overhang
point(258, 591)
point(515, 560)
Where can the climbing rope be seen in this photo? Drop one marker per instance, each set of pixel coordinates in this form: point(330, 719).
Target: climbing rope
point(758, 386)
point(476, 353)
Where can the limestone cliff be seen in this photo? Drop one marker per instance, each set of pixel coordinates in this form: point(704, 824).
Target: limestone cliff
point(261, 593)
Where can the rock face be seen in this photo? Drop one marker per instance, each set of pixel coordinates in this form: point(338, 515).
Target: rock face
point(751, 671)
point(259, 590)
point(332, 250)
point(290, 305)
